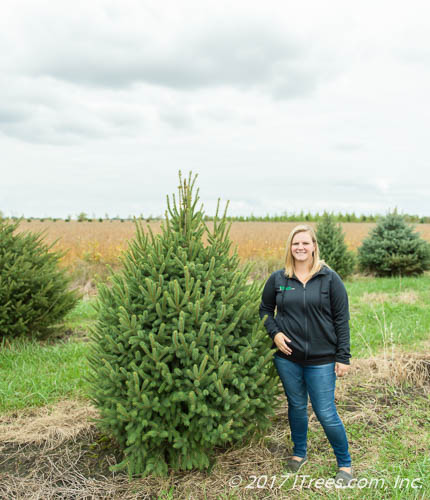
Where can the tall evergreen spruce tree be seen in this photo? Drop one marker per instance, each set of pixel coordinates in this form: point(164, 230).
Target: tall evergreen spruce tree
point(394, 249)
point(333, 250)
point(34, 294)
point(180, 360)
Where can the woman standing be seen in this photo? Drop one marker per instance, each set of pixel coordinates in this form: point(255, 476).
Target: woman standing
point(311, 332)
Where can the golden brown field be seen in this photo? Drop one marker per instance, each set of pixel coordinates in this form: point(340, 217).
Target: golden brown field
point(102, 242)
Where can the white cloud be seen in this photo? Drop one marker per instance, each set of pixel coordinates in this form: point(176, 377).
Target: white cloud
point(278, 105)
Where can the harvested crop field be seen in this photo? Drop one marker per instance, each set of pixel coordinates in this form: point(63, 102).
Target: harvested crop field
point(103, 241)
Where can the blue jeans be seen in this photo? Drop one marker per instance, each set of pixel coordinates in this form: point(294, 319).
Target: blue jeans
point(319, 382)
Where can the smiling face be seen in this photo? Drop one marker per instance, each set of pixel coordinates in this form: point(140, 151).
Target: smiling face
point(302, 247)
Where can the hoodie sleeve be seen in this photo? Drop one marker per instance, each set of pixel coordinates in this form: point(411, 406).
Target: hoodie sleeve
point(340, 313)
point(268, 305)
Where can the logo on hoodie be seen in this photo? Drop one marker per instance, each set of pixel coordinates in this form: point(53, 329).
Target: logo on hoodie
point(286, 288)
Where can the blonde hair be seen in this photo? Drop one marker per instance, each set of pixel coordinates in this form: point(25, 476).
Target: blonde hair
point(317, 263)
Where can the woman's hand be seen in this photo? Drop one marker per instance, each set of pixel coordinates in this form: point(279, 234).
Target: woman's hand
point(341, 369)
point(281, 340)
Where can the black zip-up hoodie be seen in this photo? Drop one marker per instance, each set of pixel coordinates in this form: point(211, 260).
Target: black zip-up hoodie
point(315, 316)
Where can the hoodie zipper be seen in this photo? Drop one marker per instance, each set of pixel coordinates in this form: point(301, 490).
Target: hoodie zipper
point(283, 298)
point(306, 319)
point(306, 322)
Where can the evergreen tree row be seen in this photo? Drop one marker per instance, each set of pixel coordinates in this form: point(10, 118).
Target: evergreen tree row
point(391, 249)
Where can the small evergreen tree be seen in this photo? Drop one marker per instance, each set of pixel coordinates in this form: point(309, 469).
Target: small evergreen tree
point(180, 360)
point(394, 249)
point(34, 295)
point(332, 246)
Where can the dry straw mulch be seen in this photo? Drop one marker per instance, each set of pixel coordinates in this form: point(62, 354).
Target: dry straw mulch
point(56, 452)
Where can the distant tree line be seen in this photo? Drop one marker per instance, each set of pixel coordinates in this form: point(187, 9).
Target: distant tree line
point(317, 217)
point(284, 217)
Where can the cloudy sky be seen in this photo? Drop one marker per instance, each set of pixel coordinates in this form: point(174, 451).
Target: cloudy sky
point(277, 105)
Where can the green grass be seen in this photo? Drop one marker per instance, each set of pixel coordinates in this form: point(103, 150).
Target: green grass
point(375, 325)
point(35, 374)
point(32, 374)
point(82, 315)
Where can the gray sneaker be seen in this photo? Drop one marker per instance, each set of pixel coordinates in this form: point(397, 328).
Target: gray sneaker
point(295, 465)
point(343, 478)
